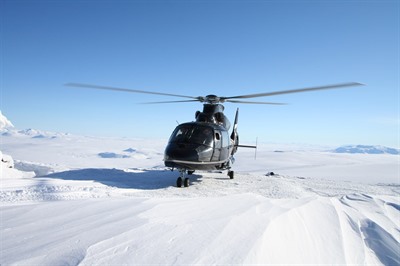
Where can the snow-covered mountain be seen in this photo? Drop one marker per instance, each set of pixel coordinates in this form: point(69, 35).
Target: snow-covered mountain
point(40, 134)
point(4, 122)
point(8, 129)
point(368, 149)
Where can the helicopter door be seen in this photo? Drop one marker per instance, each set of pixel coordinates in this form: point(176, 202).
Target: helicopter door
point(217, 145)
point(224, 154)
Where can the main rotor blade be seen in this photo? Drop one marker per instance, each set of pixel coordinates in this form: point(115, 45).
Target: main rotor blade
point(327, 87)
point(235, 101)
point(81, 85)
point(184, 101)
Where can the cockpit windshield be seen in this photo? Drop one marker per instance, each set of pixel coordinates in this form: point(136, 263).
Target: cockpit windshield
point(195, 134)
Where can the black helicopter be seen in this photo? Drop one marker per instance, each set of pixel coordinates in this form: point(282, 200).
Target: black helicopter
point(206, 143)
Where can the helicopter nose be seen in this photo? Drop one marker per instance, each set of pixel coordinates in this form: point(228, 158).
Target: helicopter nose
point(180, 151)
point(187, 152)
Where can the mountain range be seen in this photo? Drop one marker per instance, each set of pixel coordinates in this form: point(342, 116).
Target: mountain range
point(367, 149)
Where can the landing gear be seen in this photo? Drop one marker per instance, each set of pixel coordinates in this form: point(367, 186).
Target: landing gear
point(182, 180)
point(186, 182)
point(231, 174)
point(179, 182)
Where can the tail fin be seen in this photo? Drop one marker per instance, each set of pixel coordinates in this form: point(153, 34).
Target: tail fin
point(234, 130)
point(235, 135)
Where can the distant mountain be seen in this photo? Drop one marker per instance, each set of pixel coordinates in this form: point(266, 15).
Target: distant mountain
point(33, 133)
point(39, 134)
point(366, 149)
point(8, 129)
point(4, 122)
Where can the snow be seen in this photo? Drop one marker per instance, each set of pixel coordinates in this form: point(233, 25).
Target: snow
point(4, 122)
point(370, 149)
point(7, 160)
point(78, 200)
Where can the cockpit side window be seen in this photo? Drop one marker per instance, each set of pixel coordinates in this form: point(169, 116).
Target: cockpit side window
point(180, 133)
point(202, 135)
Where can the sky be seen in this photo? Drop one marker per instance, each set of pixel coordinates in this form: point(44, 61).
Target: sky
point(198, 48)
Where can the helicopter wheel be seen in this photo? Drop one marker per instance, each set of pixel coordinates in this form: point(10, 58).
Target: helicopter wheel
point(231, 174)
point(179, 182)
point(186, 182)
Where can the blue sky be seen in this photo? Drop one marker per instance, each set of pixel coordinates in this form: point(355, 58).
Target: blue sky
point(199, 48)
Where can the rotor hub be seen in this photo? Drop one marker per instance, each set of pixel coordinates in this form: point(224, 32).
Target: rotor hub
point(212, 99)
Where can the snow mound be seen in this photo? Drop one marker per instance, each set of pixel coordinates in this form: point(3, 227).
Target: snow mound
point(6, 160)
point(111, 155)
point(131, 150)
point(8, 174)
point(38, 169)
point(127, 153)
point(366, 149)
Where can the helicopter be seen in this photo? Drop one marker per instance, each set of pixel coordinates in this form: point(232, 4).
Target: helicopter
point(206, 144)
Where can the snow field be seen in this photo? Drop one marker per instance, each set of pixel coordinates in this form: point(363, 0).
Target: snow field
point(237, 229)
point(102, 201)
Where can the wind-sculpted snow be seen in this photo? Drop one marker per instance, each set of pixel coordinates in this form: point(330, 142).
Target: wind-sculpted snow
point(63, 204)
point(235, 229)
point(385, 246)
point(136, 217)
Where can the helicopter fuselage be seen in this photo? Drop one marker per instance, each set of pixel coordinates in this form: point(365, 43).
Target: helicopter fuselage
point(199, 146)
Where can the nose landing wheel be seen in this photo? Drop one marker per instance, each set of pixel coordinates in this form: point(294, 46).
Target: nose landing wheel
point(182, 179)
point(231, 174)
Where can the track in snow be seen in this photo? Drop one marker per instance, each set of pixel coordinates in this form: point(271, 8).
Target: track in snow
point(99, 183)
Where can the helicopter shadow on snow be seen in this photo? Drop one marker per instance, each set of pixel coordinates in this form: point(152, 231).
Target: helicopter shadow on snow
point(143, 179)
